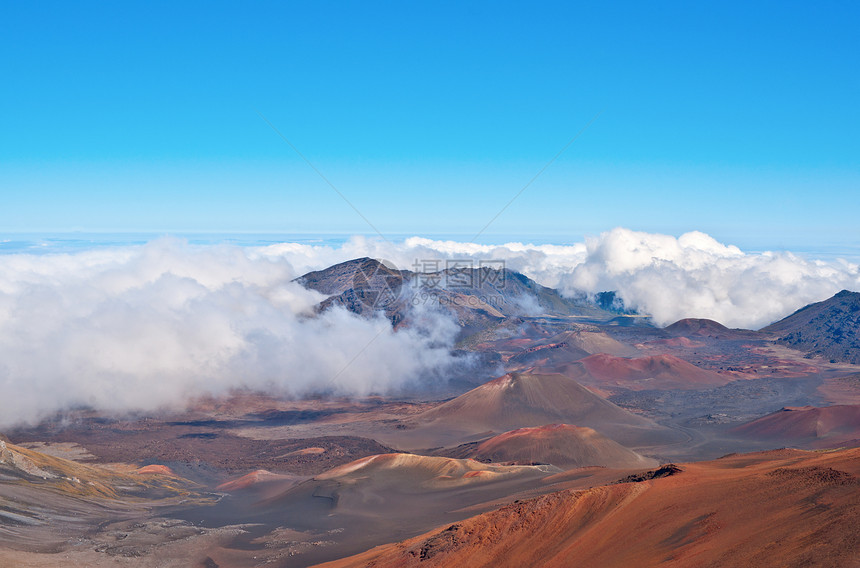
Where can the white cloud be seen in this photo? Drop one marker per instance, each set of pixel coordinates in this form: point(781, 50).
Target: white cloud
point(142, 327)
point(695, 276)
point(670, 278)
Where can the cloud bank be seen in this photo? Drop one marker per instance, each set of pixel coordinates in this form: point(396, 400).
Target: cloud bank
point(147, 327)
point(668, 277)
point(139, 328)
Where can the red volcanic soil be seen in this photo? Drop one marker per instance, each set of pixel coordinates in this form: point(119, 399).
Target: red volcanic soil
point(806, 423)
point(779, 508)
point(519, 400)
point(561, 445)
point(654, 372)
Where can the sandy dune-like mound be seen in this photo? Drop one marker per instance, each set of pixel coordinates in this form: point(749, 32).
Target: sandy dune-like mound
point(254, 479)
point(719, 513)
point(155, 469)
point(520, 400)
point(424, 472)
point(561, 445)
point(570, 346)
point(806, 423)
point(389, 497)
point(595, 342)
point(654, 372)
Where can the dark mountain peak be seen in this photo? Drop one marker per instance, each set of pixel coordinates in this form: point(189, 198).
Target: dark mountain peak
point(362, 272)
point(829, 329)
point(477, 296)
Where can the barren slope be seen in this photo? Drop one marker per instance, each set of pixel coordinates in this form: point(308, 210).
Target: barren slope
point(520, 400)
point(800, 424)
point(561, 445)
point(660, 372)
point(828, 329)
point(780, 508)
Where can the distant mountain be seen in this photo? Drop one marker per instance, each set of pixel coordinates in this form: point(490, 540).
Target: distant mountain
point(363, 286)
point(612, 302)
point(520, 400)
point(478, 297)
point(830, 329)
point(697, 327)
point(361, 272)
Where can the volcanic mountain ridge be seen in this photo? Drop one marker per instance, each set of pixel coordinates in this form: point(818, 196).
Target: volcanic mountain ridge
point(829, 329)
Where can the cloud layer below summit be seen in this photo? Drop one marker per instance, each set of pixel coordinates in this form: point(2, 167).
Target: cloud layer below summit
point(138, 328)
point(667, 277)
point(148, 327)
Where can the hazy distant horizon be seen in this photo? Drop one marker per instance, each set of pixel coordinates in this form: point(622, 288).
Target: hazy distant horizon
point(47, 242)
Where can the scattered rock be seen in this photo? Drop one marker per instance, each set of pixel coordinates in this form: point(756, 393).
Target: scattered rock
point(663, 471)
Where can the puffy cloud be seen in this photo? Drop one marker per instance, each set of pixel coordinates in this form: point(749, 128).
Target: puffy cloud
point(141, 328)
point(138, 328)
point(667, 277)
point(696, 276)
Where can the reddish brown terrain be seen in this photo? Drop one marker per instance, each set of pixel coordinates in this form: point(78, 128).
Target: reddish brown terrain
point(520, 400)
point(561, 445)
point(542, 448)
point(779, 508)
point(807, 424)
point(659, 372)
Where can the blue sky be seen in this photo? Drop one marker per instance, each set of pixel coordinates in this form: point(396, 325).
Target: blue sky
point(737, 119)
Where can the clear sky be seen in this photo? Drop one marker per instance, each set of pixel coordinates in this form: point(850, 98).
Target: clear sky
point(740, 119)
